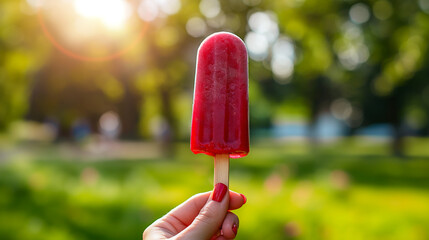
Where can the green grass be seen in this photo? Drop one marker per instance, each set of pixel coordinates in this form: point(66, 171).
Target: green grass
point(352, 189)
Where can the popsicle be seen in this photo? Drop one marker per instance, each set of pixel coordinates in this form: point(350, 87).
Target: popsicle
point(220, 115)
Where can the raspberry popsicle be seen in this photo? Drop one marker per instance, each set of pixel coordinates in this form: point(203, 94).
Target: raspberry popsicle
point(220, 122)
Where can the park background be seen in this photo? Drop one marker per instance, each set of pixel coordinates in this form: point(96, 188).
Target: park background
point(95, 110)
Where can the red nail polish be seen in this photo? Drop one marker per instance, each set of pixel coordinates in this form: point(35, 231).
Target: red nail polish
point(244, 198)
point(234, 228)
point(219, 192)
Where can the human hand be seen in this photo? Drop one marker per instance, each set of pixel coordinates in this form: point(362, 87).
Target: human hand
point(202, 217)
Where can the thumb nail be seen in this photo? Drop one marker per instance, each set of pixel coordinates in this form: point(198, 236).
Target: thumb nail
point(244, 198)
point(235, 228)
point(219, 192)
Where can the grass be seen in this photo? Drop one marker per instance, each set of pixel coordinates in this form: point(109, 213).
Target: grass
point(351, 189)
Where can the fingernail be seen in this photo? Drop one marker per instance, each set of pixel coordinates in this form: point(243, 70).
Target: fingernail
point(219, 192)
point(235, 228)
point(244, 198)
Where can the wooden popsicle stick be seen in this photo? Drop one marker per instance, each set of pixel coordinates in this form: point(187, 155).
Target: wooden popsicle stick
point(221, 169)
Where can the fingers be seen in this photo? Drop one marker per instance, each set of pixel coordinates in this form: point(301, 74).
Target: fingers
point(211, 216)
point(230, 225)
point(187, 211)
point(229, 228)
point(236, 200)
point(200, 216)
point(153, 232)
point(222, 238)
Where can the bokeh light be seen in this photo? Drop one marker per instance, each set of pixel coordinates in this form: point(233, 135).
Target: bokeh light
point(424, 5)
point(359, 13)
point(149, 10)
point(113, 13)
point(282, 60)
point(258, 46)
point(96, 103)
point(382, 9)
point(217, 21)
point(110, 124)
point(264, 32)
point(169, 7)
point(341, 109)
point(351, 48)
point(210, 8)
point(264, 23)
point(196, 27)
point(35, 3)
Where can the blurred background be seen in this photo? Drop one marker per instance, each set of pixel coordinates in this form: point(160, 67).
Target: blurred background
point(95, 110)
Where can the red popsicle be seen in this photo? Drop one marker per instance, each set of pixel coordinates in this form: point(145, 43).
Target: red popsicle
point(220, 118)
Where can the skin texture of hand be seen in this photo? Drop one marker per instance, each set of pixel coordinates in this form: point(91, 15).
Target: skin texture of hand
point(204, 216)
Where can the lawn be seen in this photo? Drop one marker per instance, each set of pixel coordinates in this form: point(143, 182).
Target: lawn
point(350, 189)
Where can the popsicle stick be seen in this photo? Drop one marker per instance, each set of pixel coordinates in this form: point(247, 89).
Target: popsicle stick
point(221, 169)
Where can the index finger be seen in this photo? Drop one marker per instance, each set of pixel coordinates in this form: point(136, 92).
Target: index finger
point(187, 211)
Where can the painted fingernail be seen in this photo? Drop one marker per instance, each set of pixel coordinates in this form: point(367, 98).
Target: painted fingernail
point(219, 192)
point(235, 228)
point(244, 198)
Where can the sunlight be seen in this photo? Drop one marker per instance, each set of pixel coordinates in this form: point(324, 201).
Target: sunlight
point(112, 24)
point(112, 13)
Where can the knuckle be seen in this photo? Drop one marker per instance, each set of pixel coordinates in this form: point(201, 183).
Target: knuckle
point(207, 214)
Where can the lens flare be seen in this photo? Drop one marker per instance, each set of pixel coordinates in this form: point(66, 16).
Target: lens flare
point(81, 57)
point(112, 13)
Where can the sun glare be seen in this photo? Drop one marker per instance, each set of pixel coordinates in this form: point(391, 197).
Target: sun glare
point(112, 13)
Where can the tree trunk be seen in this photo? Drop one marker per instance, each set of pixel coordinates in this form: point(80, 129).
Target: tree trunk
point(397, 144)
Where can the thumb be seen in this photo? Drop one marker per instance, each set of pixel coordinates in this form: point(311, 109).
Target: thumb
point(211, 216)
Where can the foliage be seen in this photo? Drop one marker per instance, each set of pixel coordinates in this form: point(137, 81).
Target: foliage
point(23, 53)
point(371, 54)
point(294, 192)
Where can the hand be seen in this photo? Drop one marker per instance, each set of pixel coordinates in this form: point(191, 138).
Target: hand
point(204, 216)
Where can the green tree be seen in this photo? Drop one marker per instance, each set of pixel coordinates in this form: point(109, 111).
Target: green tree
point(23, 52)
